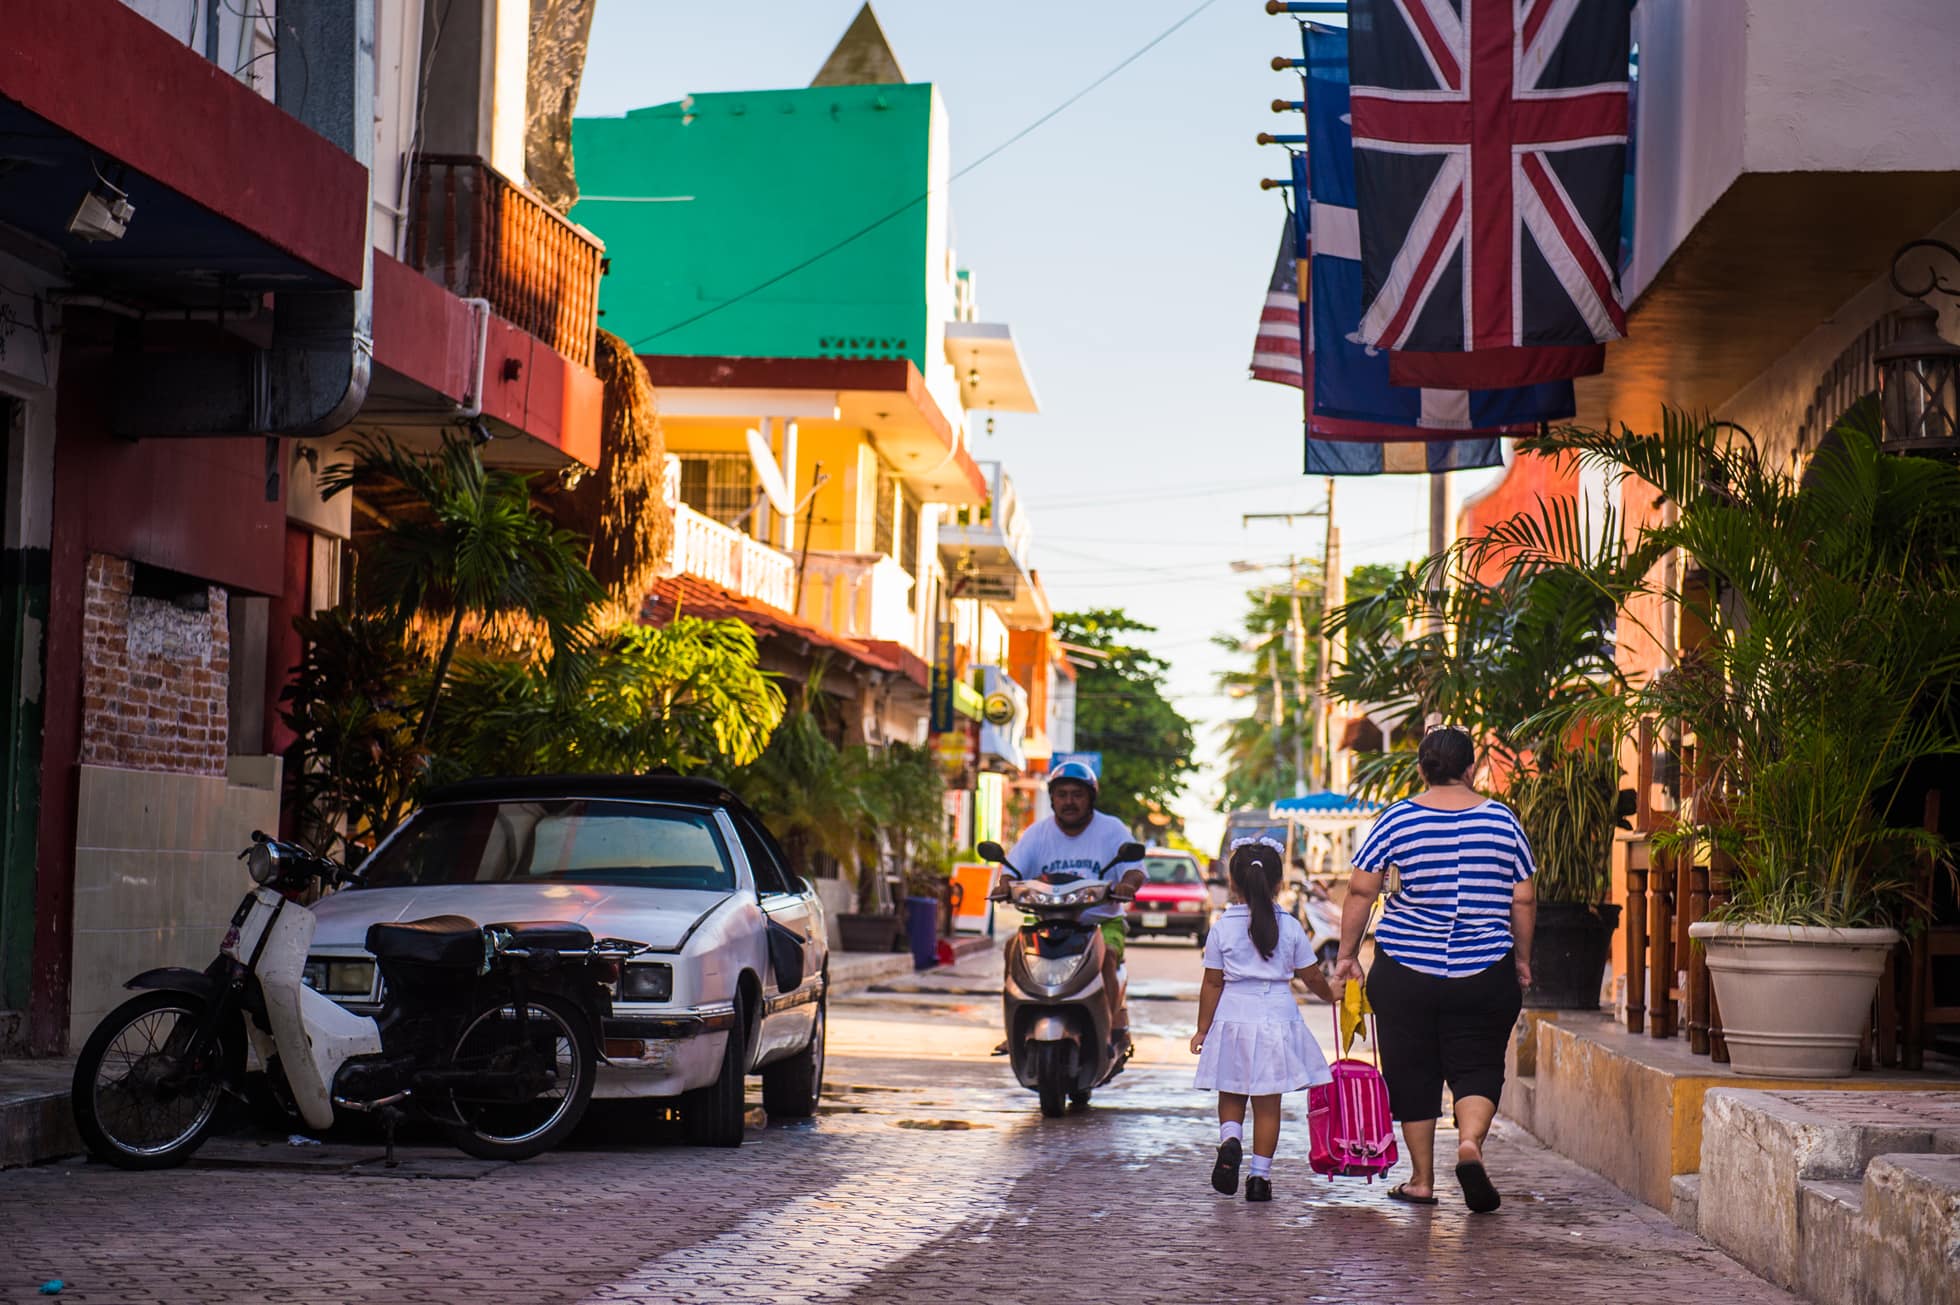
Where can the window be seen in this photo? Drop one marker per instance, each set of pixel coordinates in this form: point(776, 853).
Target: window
point(882, 522)
point(718, 485)
point(555, 840)
point(770, 877)
point(1171, 870)
point(908, 544)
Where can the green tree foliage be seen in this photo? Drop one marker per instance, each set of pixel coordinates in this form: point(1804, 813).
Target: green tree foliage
point(1121, 712)
point(463, 545)
point(357, 763)
point(1832, 611)
point(685, 696)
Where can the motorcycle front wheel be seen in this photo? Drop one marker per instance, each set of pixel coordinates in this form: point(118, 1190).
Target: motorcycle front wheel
point(1051, 1078)
point(535, 1087)
point(140, 1100)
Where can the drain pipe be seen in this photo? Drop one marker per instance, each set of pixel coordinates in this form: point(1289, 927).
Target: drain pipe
point(313, 377)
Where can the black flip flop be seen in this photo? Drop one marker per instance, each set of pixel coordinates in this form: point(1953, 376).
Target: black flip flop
point(1479, 1193)
point(1396, 1193)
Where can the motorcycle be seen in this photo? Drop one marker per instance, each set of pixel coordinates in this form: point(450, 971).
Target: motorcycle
point(488, 1032)
point(1056, 1014)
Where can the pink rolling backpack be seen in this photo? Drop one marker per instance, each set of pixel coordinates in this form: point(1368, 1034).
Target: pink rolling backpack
point(1348, 1119)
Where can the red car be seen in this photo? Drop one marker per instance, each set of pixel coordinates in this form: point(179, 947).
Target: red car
point(1173, 898)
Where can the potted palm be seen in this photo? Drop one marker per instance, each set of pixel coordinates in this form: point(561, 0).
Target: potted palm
point(1500, 634)
point(1831, 607)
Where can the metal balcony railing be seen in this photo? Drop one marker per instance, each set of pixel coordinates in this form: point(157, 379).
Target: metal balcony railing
point(483, 236)
point(708, 550)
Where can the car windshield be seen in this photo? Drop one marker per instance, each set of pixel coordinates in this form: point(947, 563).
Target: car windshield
point(1171, 870)
point(555, 840)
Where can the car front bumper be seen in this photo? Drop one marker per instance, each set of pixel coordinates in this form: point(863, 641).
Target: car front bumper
point(659, 1053)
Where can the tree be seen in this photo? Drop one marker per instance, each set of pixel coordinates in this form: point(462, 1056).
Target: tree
point(1121, 712)
point(687, 696)
point(465, 545)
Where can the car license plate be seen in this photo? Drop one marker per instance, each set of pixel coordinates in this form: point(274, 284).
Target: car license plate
point(1155, 919)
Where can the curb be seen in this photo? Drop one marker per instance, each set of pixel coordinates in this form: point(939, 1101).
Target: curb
point(855, 971)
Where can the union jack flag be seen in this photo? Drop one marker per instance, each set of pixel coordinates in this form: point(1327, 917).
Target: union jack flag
point(1490, 148)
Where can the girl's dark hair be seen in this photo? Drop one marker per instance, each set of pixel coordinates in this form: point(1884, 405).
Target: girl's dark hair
point(1256, 875)
point(1446, 755)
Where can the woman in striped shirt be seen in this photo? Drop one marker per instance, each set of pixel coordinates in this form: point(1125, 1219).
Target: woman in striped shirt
point(1452, 956)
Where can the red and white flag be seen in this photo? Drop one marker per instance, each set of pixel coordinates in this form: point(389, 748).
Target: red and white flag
point(1490, 149)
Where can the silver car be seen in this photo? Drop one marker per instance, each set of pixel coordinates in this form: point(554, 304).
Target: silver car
point(734, 982)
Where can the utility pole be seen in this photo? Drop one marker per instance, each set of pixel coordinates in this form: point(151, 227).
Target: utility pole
point(1307, 706)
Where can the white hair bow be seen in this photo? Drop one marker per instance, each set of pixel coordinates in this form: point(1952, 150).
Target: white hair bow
point(1262, 840)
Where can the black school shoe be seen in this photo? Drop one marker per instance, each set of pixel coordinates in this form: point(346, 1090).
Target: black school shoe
point(1225, 1174)
point(1258, 1189)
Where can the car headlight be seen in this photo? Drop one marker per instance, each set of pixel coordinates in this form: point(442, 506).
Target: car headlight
point(335, 978)
point(1052, 971)
point(653, 981)
point(1191, 906)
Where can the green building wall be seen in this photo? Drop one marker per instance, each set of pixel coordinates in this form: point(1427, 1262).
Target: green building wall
point(702, 199)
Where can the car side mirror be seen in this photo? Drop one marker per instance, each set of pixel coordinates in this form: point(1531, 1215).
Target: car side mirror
point(992, 851)
point(1127, 852)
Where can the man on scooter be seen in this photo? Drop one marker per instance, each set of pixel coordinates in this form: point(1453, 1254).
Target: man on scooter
point(1077, 842)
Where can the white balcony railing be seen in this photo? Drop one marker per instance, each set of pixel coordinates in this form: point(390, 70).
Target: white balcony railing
point(861, 596)
point(708, 550)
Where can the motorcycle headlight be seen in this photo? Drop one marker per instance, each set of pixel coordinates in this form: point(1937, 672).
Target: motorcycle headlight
point(648, 982)
point(340, 979)
point(1052, 971)
point(262, 863)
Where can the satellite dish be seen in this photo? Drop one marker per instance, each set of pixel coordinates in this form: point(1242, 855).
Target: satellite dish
point(768, 475)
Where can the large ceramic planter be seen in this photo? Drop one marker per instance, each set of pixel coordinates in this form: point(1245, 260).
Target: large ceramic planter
point(878, 932)
point(1795, 1000)
point(1569, 950)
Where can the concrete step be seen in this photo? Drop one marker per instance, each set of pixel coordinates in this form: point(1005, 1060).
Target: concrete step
point(1685, 1209)
point(36, 1123)
point(1830, 1213)
point(1912, 1230)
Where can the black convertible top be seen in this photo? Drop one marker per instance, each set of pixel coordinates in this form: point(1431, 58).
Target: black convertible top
point(657, 788)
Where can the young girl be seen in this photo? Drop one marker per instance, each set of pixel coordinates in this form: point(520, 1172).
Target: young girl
point(1251, 1039)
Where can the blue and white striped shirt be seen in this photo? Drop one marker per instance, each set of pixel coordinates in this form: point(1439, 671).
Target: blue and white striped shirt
point(1451, 916)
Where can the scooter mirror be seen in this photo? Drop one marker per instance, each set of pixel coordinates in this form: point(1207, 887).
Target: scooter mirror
point(1127, 852)
point(991, 851)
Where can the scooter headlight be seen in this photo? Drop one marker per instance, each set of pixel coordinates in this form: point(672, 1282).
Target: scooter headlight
point(262, 863)
point(1053, 971)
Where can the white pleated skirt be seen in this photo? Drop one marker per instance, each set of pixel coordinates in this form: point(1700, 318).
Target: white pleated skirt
point(1258, 1044)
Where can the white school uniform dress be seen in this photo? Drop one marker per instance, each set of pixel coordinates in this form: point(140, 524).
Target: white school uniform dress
point(1258, 1044)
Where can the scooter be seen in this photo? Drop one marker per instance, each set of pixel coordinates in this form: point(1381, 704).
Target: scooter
point(1056, 1014)
point(1322, 920)
point(488, 1032)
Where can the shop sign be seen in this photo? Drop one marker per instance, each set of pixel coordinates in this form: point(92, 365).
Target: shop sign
point(945, 652)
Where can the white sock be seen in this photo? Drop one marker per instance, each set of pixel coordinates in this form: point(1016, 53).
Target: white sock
point(1230, 1132)
point(1260, 1166)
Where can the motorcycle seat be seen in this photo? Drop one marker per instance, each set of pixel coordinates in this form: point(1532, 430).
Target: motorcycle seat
point(448, 941)
point(546, 935)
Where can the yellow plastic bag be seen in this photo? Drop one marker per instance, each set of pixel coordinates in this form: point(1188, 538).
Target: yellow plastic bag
point(1354, 1004)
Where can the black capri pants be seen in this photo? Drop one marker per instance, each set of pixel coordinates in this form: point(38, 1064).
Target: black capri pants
point(1435, 1030)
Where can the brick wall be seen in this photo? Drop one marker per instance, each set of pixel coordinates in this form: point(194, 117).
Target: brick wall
point(154, 676)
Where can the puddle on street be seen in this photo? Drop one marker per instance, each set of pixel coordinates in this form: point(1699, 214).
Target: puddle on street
point(939, 1125)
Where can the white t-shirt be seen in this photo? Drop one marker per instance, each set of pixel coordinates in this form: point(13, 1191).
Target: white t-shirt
point(1046, 850)
point(1230, 947)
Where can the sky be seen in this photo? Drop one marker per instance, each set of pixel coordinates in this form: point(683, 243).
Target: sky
point(1128, 245)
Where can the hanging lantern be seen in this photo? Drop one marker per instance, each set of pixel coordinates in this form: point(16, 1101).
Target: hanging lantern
point(1919, 372)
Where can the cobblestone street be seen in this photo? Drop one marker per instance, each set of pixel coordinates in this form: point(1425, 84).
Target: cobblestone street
point(929, 1176)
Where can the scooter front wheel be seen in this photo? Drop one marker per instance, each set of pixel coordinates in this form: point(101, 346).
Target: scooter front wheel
point(1051, 1078)
point(141, 1100)
point(498, 1120)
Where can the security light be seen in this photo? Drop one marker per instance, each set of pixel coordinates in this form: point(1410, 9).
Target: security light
point(103, 214)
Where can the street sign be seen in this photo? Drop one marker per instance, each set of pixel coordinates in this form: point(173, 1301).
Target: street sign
point(945, 651)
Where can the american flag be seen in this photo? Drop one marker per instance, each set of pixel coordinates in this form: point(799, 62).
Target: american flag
point(1490, 148)
point(1276, 350)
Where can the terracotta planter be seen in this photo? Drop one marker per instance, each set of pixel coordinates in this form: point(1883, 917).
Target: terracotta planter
point(1795, 1000)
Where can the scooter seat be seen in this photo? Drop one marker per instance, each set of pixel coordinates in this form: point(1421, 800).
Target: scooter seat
point(546, 935)
point(448, 941)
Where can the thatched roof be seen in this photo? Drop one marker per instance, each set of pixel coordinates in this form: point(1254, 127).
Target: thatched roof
point(620, 506)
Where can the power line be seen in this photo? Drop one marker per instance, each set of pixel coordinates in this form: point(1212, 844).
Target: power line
point(909, 205)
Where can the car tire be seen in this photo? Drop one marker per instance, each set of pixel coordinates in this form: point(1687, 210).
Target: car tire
point(1201, 937)
point(793, 1088)
point(717, 1115)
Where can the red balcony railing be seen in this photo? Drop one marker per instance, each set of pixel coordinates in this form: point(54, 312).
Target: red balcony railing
point(483, 236)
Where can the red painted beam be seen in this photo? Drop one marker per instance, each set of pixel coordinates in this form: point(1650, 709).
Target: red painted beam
point(105, 74)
